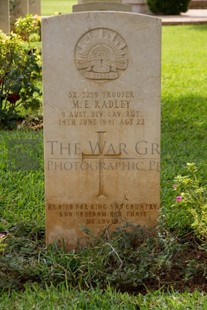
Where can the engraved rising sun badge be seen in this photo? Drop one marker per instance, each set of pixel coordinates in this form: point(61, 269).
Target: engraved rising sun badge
point(101, 54)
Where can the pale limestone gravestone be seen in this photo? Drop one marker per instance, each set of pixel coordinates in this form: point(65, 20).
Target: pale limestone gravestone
point(34, 7)
point(18, 8)
point(4, 16)
point(10, 11)
point(138, 6)
point(101, 5)
point(101, 76)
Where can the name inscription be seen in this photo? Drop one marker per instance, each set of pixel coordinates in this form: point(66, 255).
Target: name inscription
point(106, 108)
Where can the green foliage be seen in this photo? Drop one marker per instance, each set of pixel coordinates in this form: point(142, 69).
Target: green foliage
point(191, 203)
point(2, 245)
point(73, 299)
point(29, 28)
point(21, 191)
point(131, 259)
point(168, 7)
point(20, 71)
point(62, 297)
point(184, 109)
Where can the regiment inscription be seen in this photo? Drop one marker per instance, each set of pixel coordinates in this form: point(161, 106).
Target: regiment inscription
point(101, 123)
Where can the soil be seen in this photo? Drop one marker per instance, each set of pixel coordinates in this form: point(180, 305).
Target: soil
point(35, 123)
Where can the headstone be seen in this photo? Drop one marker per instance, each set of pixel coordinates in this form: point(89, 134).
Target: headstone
point(4, 16)
point(100, 5)
point(18, 8)
point(34, 7)
point(101, 76)
point(138, 6)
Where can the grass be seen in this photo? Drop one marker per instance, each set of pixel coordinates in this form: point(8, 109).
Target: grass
point(184, 106)
point(51, 7)
point(26, 264)
point(60, 298)
point(21, 192)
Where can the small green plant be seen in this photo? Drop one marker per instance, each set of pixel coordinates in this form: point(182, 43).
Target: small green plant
point(168, 7)
point(191, 201)
point(2, 245)
point(29, 28)
point(20, 72)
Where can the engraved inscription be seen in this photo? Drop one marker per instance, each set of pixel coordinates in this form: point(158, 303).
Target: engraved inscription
point(92, 214)
point(101, 54)
point(97, 213)
point(102, 108)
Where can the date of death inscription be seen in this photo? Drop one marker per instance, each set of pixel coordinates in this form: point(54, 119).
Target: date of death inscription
point(101, 108)
point(96, 213)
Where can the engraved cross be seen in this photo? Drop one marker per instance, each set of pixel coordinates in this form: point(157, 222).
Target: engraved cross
point(101, 157)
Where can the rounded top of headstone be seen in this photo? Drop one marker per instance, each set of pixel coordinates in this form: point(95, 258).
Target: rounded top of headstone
point(101, 5)
point(94, 1)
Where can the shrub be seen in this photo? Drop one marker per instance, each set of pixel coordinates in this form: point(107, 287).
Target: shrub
point(191, 202)
point(29, 28)
point(2, 245)
point(20, 72)
point(168, 7)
